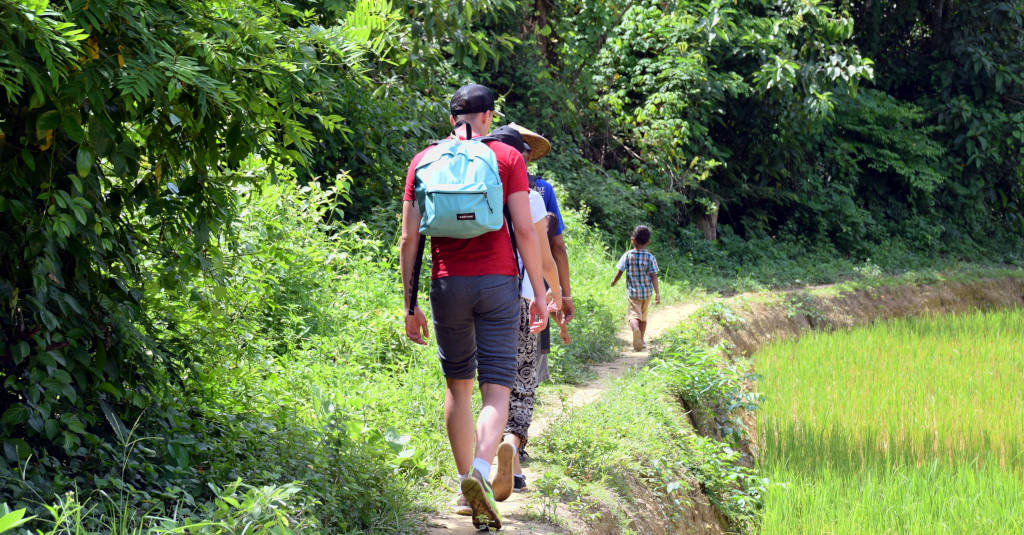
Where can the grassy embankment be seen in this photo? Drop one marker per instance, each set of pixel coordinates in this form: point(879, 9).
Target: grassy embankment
point(904, 427)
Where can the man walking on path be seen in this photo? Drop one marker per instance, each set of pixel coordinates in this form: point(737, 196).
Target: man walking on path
point(474, 299)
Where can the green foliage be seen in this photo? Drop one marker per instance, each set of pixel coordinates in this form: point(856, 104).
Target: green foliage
point(707, 383)
point(237, 508)
point(123, 127)
point(962, 63)
point(634, 430)
point(199, 201)
point(677, 79)
point(12, 519)
point(288, 334)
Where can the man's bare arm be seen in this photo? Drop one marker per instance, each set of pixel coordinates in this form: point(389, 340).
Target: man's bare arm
point(415, 324)
point(561, 256)
point(529, 252)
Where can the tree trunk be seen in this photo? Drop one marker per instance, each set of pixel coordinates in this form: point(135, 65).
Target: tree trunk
point(708, 224)
point(541, 20)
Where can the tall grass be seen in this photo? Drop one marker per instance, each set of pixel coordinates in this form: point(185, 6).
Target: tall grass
point(912, 426)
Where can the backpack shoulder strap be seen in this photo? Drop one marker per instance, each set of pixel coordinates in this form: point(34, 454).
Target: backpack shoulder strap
point(515, 248)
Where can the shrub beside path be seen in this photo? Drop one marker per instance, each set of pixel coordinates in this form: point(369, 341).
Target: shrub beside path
point(520, 513)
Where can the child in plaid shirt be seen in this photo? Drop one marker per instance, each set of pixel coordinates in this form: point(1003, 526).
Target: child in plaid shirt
point(641, 280)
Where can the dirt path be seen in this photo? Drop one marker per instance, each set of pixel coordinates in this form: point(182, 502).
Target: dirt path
point(521, 511)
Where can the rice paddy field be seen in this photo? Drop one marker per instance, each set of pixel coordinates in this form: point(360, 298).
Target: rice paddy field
point(910, 426)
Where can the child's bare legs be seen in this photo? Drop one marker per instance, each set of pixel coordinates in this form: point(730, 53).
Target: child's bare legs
point(634, 325)
point(643, 331)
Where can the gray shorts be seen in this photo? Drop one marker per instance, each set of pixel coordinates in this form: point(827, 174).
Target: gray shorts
point(476, 321)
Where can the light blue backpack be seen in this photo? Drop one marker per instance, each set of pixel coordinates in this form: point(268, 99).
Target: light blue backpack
point(458, 190)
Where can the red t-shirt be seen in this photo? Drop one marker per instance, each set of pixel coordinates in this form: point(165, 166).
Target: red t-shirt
point(489, 253)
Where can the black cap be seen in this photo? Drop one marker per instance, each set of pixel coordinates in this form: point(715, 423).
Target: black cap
point(472, 98)
point(509, 136)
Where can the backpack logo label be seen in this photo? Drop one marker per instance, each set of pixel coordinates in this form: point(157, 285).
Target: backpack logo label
point(465, 217)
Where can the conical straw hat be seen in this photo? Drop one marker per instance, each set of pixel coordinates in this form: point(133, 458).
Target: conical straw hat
point(539, 146)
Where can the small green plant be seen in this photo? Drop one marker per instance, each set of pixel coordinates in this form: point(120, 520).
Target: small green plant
point(672, 484)
point(803, 304)
point(734, 488)
point(717, 312)
point(868, 270)
point(707, 382)
point(550, 487)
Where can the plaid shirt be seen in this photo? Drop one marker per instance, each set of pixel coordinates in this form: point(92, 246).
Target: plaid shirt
point(638, 265)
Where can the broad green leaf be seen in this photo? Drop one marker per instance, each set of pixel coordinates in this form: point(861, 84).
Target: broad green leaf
point(73, 128)
point(14, 415)
point(83, 162)
point(79, 213)
point(29, 160)
point(20, 351)
point(73, 423)
point(49, 120)
point(13, 519)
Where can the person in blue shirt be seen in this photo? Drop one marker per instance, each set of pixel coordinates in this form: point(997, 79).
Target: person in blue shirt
point(540, 146)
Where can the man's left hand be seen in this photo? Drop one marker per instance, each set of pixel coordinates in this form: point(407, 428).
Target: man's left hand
point(416, 326)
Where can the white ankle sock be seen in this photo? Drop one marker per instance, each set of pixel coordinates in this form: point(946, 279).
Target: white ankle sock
point(462, 477)
point(483, 467)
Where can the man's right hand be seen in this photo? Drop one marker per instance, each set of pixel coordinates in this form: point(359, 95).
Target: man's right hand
point(416, 326)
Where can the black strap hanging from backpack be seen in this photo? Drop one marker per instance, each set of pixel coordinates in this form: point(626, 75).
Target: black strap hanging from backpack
point(416, 267)
point(515, 248)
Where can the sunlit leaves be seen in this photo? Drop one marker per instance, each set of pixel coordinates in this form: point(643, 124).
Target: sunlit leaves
point(124, 125)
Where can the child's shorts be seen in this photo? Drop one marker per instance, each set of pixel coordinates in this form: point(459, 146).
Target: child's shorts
point(638, 308)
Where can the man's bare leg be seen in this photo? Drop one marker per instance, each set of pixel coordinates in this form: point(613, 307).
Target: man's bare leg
point(458, 420)
point(492, 419)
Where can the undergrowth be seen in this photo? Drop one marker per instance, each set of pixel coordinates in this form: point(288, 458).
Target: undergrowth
point(634, 431)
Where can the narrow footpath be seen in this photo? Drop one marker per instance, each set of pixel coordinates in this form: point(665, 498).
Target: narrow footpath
point(520, 513)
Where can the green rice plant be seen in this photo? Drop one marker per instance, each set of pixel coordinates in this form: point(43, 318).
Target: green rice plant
point(911, 426)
